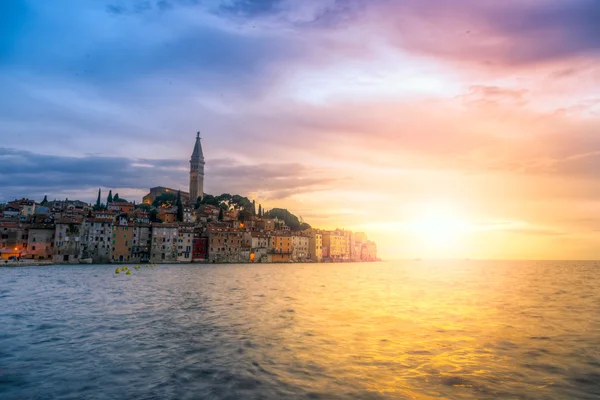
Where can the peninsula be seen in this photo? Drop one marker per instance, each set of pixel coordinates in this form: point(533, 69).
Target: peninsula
point(169, 226)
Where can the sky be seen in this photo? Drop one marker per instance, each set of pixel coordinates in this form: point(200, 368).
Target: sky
point(463, 129)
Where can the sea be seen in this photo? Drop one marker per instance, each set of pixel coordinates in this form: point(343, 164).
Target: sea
point(389, 330)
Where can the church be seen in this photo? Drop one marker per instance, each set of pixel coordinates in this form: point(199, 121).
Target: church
point(196, 188)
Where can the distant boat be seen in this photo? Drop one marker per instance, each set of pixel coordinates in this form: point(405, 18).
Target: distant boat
point(85, 261)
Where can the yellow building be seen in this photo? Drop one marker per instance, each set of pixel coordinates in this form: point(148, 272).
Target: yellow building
point(315, 246)
point(336, 245)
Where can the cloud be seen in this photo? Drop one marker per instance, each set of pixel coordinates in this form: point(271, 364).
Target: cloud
point(509, 33)
point(30, 174)
point(269, 181)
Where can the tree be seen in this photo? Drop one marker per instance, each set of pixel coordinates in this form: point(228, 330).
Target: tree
point(145, 207)
point(116, 198)
point(165, 200)
point(259, 210)
point(153, 215)
point(221, 214)
point(179, 207)
point(110, 198)
point(253, 207)
point(98, 202)
point(282, 214)
point(244, 215)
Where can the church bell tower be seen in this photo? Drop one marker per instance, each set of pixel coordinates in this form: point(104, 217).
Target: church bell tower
point(197, 171)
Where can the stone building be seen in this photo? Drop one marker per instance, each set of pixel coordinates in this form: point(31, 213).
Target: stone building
point(97, 240)
point(141, 243)
point(225, 245)
point(40, 242)
point(300, 247)
point(185, 243)
point(67, 243)
point(164, 243)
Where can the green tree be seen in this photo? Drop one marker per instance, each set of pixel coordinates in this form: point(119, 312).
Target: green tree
point(253, 207)
point(244, 215)
point(98, 205)
point(165, 199)
point(45, 201)
point(179, 207)
point(145, 207)
point(116, 198)
point(290, 219)
point(153, 216)
point(110, 198)
point(209, 199)
point(221, 214)
point(259, 210)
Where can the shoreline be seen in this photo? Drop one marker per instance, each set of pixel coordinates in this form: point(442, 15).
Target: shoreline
point(49, 263)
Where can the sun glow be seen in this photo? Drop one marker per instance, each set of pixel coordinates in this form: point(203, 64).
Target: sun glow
point(438, 227)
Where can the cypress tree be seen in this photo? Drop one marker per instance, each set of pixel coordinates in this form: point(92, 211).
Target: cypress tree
point(45, 201)
point(221, 214)
point(110, 198)
point(98, 202)
point(253, 208)
point(116, 198)
point(259, 210)
point(179, 207)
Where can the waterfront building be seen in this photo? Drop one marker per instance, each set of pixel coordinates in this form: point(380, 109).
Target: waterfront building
point(97, 240)
point(200, 246)
point(300, 247)
point(225, 245)
point(315, 246)
point(40, 242)
point(334, 245)
point(67, 245)
point(281, 248)
point(122, 242)
point(164, 242)
point(369, 251)
point(13, 237)
point(185, 243)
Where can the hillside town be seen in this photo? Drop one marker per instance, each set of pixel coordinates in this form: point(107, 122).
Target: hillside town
point(169, 226)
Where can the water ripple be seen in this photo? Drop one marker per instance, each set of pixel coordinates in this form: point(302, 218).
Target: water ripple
point(479, 330)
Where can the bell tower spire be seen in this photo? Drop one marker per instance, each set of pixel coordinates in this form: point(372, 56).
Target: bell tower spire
point(197, 171)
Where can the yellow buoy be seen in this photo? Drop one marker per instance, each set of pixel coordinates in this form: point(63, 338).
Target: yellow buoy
point(117, 271)
point(128, 273)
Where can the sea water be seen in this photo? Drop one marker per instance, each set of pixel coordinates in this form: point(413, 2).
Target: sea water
point(408, 329)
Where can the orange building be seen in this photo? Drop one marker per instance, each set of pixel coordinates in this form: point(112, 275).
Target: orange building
point(122, 241)
point(121, 206)
point(167, 216)
point(281, 244)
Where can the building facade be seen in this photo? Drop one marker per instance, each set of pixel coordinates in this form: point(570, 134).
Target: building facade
point(40, 242)
point(96, 240)
point(185, 243)
point(164, 243)
point(315, 246)
point(300, 247)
